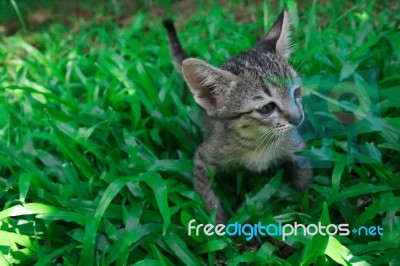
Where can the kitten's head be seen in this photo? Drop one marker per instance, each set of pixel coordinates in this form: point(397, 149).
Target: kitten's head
point(257, 89)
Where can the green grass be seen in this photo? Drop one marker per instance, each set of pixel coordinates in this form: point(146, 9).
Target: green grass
point(98, 131)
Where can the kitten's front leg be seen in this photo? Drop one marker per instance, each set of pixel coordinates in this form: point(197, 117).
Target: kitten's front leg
point(202, 183)
point(303, 173)
point(300, 167)
point(298, 170)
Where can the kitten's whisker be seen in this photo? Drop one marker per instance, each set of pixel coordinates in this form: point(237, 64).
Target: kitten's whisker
point(276, 144)
point(244, 141)
point(269, 142)
point(306, 117)
point(273, 148)
point(234, 124)
point(264, 136)
point(298, 67)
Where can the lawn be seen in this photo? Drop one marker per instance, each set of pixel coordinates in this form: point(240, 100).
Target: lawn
point(98, 130)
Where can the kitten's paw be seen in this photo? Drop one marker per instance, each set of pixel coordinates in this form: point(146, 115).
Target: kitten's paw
point(303, 179)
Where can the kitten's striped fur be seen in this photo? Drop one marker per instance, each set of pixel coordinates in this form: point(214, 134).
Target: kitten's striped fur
point(253, 107)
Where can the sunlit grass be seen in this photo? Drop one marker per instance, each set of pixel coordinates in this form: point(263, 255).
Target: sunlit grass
point(98, 131)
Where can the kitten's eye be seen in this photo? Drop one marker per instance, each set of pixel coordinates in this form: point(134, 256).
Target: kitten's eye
point(266, 109)
point(297, 92)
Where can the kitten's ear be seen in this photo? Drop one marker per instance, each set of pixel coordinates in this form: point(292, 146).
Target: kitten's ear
point(278, 37)
point(208, 84)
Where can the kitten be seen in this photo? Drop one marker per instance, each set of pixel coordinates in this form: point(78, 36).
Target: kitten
point(253, 106)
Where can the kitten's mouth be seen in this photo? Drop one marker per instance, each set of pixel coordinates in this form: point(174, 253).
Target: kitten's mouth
point(253, 131)
point(284, 130)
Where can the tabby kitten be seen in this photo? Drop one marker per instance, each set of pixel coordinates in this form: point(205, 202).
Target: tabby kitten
point(253, 106)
